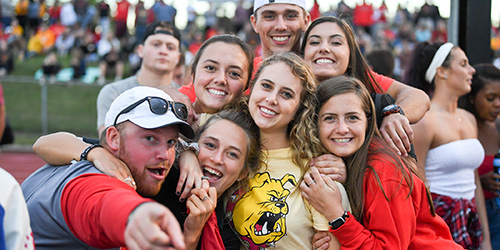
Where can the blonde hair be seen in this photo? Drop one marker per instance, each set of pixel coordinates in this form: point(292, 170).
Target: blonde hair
point(303, 140)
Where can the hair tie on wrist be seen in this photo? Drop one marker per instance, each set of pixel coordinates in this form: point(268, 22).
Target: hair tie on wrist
point(86, 152)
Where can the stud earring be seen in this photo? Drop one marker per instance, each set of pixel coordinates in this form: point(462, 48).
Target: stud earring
point(445, 77)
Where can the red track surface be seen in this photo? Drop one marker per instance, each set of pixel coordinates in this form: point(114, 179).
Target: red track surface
point(20, 164)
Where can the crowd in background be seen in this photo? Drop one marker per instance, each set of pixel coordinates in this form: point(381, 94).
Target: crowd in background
point(91, 32)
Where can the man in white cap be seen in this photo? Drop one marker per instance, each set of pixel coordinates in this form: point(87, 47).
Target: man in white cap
point(280, 24)
point(78, 207)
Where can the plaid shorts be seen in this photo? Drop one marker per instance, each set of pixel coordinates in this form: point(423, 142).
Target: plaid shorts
point(462, 218)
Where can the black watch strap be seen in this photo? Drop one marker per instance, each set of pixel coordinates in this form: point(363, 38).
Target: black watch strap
point(336, 223)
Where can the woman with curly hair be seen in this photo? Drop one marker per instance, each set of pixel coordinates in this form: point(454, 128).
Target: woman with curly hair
point(272, 212)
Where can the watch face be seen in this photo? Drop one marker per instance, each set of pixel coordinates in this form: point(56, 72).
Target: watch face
point(390, 107)
point(337, 223)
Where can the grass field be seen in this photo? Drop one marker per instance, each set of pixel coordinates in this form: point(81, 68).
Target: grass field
point(70, 108)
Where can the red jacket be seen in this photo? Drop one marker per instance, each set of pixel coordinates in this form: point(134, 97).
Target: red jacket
point(402, 222)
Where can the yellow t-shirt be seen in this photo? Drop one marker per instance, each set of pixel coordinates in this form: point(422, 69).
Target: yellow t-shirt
point(273, 213)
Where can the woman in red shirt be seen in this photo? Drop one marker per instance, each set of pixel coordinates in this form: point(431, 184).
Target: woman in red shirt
point(391, 207)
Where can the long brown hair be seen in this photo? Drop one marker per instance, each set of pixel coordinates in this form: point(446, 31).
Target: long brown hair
point(358, 163)
point(357, 66)
point(229, 39)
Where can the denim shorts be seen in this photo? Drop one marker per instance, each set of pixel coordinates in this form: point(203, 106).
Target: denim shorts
point(493, 210)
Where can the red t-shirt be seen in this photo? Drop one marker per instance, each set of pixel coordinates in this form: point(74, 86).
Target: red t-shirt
point(486, 167)
point(122, 10)
point(384, 81)
point(96, 209)
point(363, 15)
point(55, 12)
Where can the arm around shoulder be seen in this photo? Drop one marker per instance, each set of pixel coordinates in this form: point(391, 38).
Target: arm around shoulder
point(413, 101)
point(59, 148)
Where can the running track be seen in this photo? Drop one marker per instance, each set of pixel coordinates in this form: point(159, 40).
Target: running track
point(19, 161)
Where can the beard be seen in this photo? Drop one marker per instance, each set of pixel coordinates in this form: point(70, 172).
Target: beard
point(144, 186)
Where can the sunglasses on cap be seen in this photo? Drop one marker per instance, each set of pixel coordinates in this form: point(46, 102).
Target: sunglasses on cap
point(158, 106)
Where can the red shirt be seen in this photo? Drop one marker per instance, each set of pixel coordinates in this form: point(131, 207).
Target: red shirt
point(401, 222)
point(384, 81)
point(96, 209)
point(55, 12)
point(486, 167)
point(122, 10)
point(363, 15)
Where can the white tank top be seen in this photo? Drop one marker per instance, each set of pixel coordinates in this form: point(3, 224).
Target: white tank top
point(449, 168)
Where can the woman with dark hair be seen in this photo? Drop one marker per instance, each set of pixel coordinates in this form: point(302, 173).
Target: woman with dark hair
point(220, 46)
point(219, 79)
point(330, 47)
point(446, 142)
point(391, 208)
point(484, 102)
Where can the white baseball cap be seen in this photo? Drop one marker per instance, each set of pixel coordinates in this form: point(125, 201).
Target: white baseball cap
point(134, 105)
point(259, 3)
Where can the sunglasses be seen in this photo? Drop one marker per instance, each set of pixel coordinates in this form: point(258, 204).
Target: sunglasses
point(158, 106)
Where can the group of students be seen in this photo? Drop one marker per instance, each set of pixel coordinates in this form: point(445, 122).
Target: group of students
point(298, 162)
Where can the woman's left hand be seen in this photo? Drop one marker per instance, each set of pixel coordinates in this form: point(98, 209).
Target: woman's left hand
point(330, 165)
point(322, 193)
point(201, 204)
point(397, 132)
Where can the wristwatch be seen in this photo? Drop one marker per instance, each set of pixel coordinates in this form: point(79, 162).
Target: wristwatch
point(392, 109)
point(336, 223)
